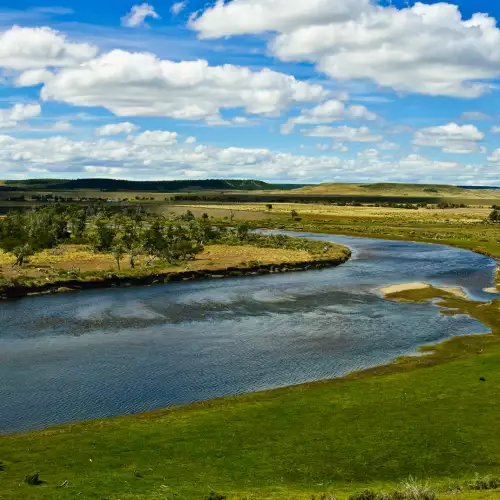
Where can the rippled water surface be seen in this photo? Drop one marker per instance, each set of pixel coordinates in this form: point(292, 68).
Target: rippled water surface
point(110, 352)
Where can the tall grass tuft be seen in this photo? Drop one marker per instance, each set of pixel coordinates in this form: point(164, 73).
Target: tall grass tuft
point(484, 483)
point(413, 489)
point(410, 489)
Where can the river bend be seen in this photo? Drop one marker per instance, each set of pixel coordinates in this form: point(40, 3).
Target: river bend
point(102, 353)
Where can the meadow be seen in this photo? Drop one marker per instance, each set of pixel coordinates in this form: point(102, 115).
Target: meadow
point(68, 258)
point(328, 211)
point(433, 417)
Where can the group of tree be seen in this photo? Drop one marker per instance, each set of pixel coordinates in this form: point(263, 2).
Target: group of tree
point(130, 233)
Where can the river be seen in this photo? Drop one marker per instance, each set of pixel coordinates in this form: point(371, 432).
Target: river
point(102, 353)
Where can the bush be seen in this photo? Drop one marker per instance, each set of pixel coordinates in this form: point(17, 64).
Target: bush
point(364, 495)
point(33, 479)
point(215, 496)
point(412, 489)
point(485, 483)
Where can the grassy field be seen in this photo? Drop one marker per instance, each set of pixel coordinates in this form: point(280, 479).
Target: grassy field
point(69, 267)
point(393, 189)
point(327, 211)
point(50, 263)
point(461, 227)
point(433, 417)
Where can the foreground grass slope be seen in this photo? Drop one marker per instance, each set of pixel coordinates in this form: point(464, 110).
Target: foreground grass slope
point(433, 417)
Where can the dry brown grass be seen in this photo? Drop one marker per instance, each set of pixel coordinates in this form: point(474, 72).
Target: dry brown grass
point(466, 215)
point(397, 190)
point(215, 257)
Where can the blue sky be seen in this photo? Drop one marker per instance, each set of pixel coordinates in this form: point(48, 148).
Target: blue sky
point(280, 90)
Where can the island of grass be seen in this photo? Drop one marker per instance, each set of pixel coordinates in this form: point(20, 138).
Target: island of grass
point(58, 249)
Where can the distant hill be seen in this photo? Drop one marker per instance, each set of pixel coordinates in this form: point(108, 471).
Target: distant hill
point(395, 189)
point(151, 186)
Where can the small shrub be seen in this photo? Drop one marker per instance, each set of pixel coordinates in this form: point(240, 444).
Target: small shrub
point(253, 263)
point(33, 479)
point(215, 496)
point(453, 487)
point(485, 483)
point(364, 495)
point(413, 489)
point(325, 496)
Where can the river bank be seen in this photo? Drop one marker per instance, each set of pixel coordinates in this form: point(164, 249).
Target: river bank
point(114, 281)
point(74, 267)
point(480, 239)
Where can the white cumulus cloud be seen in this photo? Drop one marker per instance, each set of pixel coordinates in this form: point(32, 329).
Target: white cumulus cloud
point(451, 138)
point(178, 7)
point(38, 48)
point(116, 128)
point(494, 156)
point(328, 112)
point(369, 153)
point(10, 117)
point(244, 17)
point(344, 134)
point(429, 49)
point(137, 16)
point(140, 84)
point(156, 154)
point(156, 138)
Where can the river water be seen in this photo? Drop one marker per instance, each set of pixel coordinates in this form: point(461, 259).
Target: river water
point(110, 352)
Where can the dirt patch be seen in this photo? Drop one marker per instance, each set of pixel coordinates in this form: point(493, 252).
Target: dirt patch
point(403, 287)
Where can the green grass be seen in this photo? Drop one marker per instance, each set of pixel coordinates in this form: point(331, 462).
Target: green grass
point(480, 237)
point(430, 417)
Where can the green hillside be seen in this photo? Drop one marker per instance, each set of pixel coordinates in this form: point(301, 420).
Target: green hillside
point(396, 189)
point(161, 186)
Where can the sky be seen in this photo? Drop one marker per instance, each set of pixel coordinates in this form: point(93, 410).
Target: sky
point(278, 90)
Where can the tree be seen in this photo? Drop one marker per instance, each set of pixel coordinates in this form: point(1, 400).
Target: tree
point(132, 254)
point(77, 220)
point(185, 249)
point(187, 216)
point(242, 231)
point(294, 214)
point(154, 241)
point(495, 215)
point(118, 251)
point(21, 252)
point(269, 206)
point(101, 236)
point(200, 230)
